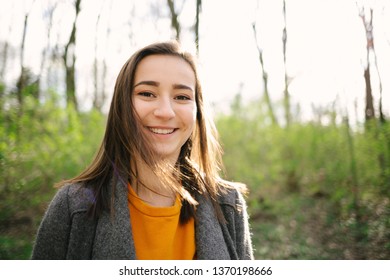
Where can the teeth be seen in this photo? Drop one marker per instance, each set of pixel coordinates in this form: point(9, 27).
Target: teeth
point(161, 130)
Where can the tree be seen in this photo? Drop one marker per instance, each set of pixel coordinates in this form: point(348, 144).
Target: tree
point(174, 19)
point(265, 79)
point(48, 15)
point(198, 10)
point(24, 73)
point(369, 112)
point(98, 95)
point(379, 130)
point(4, 55)
point(287, 105)
point(69, 59)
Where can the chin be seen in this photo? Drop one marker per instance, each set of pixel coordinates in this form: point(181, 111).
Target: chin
point(169, 157)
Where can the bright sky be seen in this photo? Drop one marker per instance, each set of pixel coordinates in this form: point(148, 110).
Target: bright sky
point(325, 48)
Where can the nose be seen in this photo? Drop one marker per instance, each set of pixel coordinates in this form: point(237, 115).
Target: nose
point(164, 109)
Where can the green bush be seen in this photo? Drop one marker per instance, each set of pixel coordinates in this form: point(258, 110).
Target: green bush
point(41, 144)
point(316, 191)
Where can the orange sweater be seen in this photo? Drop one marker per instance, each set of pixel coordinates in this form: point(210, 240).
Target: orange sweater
point(157, 233)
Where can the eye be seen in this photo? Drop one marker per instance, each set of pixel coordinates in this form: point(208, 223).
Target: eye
point(145, 94)
point(182, 97)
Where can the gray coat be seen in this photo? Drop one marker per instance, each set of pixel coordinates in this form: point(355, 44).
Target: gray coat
point(67, 233)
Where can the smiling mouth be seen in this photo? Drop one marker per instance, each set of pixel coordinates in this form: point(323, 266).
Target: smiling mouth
point(163, 131)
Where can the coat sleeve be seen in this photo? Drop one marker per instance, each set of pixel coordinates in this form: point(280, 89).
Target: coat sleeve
point(243, 235)
point(53, 233)
point(236, 225)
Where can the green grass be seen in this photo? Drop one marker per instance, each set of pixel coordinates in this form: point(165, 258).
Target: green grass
point(15, 248)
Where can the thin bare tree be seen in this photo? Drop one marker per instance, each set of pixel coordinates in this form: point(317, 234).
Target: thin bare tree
point(48, 16)
point(265, 78)
point(175, 24)
point(69, 59)
point(96, 103)
point(4, 54)
point(100, 67)
point(286, 101)
point(198, 11)
point(369, 109)
point(24, 73)
point(369, 112)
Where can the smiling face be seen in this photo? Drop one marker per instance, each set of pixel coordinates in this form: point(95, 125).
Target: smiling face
point(164, 99)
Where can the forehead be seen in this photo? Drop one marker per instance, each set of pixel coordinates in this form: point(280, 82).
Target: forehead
point(168, 68)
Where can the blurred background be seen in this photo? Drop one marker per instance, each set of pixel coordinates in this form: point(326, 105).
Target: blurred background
point(299, 90)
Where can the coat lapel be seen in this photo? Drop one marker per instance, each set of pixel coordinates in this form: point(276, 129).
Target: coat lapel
point(113, 238)
point(210, 243)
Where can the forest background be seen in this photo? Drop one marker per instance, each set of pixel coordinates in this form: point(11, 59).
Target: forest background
point(308, 132)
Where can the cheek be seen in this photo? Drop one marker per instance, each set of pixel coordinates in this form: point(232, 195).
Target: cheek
point(191, 117)
point(187, 116)
point(140, 108)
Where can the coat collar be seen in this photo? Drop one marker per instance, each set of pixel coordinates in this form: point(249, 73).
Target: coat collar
point(113, 238)
point(210, 243)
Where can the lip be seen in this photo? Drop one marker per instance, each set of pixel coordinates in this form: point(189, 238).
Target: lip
point(161, 130)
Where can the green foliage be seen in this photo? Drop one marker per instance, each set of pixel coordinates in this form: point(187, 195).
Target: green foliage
point(316, 191)
point(314, 194)
point(15, 248)
point(40, 144)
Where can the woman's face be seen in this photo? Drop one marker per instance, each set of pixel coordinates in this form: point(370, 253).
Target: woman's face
point(164, 99)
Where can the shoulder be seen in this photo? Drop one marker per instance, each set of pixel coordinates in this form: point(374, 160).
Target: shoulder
point(236, 223)
point(232, 194)
point(76, 197)
point(61, 225)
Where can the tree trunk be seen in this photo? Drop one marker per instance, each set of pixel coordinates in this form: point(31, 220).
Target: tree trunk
point(369, 109)
point(198, 10)
point(69, 59)
point(96, 96)
point(265, 79)
point(286, 102)
point(369, 112)
point(100, 68)
point(46, 50)
point(174, 19)
point(22, 81)
point(4, 59)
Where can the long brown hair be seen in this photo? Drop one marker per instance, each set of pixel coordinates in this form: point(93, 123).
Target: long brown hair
point(199, 161)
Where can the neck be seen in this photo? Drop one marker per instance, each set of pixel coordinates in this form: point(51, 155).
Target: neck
point(149, 187)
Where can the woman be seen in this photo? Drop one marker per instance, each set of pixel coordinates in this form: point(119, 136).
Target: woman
point(153, 190)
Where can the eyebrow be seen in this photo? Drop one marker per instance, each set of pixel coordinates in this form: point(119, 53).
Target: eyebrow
point(181, 86)
point(156, 84)
point(148, 83)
